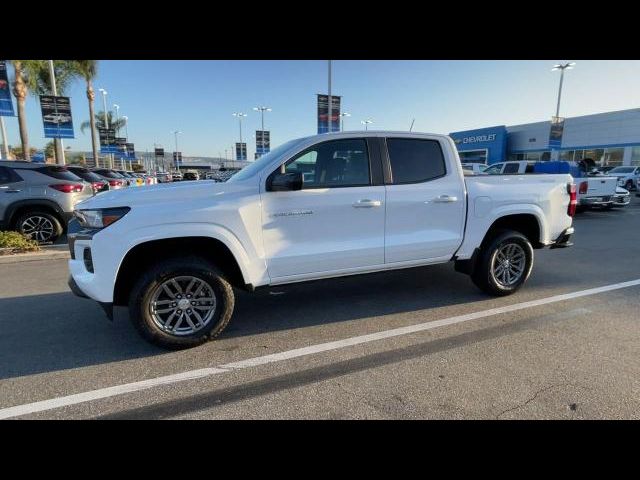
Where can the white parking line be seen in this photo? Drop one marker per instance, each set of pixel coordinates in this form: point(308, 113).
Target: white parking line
point(107, 392)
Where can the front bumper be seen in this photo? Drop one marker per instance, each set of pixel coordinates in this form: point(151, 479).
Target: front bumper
point(106, 306)
point(621, 200)
point(596, 201)
point(563, 240)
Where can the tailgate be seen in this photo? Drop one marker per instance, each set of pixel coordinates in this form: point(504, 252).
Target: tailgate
point(602, 186)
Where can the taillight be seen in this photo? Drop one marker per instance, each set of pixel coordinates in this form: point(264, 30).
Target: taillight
point(584, 186)
point(97, 185)
point(115, 183)
point(68, 187)
point(573, 198)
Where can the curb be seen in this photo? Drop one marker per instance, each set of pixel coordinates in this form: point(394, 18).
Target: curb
point(35, 256)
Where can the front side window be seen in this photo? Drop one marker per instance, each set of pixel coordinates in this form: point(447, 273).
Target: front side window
point(338, 163)
point(415, 160)
point(494, 169)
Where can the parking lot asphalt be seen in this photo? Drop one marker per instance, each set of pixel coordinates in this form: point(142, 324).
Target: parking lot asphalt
point(577, 358)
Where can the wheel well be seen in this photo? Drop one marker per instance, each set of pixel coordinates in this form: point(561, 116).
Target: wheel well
point(525, 223)
point(142, 256)
point(15, 214)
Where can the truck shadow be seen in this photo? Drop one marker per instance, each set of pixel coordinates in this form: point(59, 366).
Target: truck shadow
point(51, 332)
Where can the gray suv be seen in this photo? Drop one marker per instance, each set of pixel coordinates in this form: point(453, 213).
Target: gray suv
point(38, 199)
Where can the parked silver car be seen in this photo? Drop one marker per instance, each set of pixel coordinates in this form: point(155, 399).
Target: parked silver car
point(38, 199)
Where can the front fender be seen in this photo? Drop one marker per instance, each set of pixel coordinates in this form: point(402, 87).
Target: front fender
point(111, 245)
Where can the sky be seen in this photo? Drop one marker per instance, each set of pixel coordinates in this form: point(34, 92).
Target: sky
point(198, 97)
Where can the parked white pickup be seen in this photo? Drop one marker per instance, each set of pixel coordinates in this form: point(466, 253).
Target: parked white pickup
point(316, 207)
point(592, 190)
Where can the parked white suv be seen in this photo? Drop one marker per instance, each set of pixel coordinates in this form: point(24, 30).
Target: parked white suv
point(322, 206)
point(627, 176)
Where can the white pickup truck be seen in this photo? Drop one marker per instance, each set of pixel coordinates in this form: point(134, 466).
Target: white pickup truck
point(316, 207)
point(593, 191)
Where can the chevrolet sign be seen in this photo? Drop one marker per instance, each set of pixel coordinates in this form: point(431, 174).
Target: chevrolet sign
point(480, 138)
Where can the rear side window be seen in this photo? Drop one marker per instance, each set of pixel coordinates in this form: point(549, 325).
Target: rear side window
point(7, 175)
point(415, 160)
point(86, 174)
point(109, 174)
point(60, 173)
point(511, 168)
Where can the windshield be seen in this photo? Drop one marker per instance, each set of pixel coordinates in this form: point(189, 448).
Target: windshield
point(264, 160)
point(622, 170)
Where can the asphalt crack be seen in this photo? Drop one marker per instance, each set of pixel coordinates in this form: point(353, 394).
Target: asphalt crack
point(534, 396)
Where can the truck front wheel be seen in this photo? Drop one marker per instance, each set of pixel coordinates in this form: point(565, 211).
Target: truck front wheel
point(505, 264)
point(181, 303)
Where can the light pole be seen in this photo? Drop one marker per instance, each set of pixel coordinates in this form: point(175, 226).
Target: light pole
point(126, 128)
point(5, 144)
point(175, 133)
point(262, 110)
point(105, 118)
point(562, 67)
point(342, 115)
point(329, 101)
point(54, 91)
point(366, 123)
point(240, 116)
point(117, 107)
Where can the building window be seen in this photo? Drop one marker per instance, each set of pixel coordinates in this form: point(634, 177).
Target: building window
point(567, 155)
point(473, 156)
point(635, 156)
point(613, 156)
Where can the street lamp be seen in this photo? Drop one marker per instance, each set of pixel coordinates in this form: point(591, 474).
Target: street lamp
point(562, 67)
point(175, 134)
point(342, 115)
point(240, 116)
point(366, 123)
point(262, 110)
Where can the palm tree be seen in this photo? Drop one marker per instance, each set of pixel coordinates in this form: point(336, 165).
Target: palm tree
point(98, 120)
point(88, 69)
point(20, 90)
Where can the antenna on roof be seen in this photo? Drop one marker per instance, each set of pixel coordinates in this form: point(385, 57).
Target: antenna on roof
point(411, 127)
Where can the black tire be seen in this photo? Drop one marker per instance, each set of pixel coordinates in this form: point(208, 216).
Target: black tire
point(484, 276)
point(629, 185)
point(49, 231)
point(150, 282)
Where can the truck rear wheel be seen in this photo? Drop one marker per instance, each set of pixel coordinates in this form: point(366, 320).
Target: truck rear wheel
point(181, 303)
point(505, 263)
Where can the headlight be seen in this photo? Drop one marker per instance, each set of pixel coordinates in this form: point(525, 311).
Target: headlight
point(100, 218)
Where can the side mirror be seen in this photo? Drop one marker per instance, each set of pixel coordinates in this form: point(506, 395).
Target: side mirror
point(284, 182)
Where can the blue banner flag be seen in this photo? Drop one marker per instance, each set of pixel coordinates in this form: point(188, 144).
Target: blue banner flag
point(6, 105)
point(56, 115)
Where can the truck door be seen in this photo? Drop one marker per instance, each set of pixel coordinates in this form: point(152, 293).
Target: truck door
point(336, 222)
point(425, 201)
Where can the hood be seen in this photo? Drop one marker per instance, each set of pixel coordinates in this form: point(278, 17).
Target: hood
point(160, 193)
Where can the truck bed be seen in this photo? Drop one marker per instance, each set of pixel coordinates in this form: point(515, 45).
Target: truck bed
point(545, 194)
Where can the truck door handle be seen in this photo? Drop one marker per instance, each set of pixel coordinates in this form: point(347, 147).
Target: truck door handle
point(445, 199)
point(12, 191)
point(366, 203)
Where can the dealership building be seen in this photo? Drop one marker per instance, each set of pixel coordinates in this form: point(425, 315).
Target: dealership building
point(611, 138)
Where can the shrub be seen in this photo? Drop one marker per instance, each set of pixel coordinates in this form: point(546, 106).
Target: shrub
point(14, 242)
